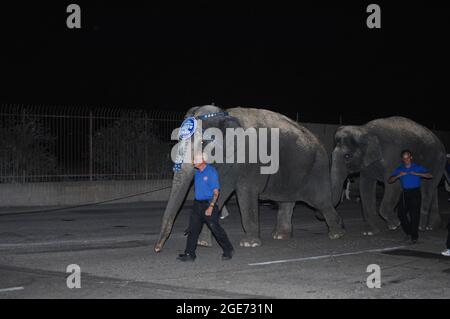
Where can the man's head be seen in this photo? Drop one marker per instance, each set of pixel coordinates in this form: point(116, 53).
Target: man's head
point(200, 160)
point(406, 156)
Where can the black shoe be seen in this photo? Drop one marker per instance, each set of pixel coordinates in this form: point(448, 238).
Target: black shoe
point(414, 241)
point(228, 255)
point(186, 257)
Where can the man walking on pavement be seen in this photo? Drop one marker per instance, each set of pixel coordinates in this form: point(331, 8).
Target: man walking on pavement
point(205, 210)
point(410, 175)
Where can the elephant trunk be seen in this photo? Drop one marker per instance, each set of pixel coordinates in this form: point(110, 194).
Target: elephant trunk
point(180, 186)
point(339, 174)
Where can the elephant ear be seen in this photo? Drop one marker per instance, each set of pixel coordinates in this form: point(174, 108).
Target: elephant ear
point(222, 123)
point(373, 150)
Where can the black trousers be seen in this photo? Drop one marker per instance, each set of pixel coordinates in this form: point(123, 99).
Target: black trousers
point(409, 211)
point(198, 218)
point(448, 234)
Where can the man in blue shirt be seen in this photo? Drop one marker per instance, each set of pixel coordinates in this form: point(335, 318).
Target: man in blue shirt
point(206, 187)
point(410, 175)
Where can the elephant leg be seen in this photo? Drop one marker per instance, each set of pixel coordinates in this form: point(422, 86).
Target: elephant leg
point(427, 189)
point(334, 221)
point(248, 204)
point(367, 187)
point(435, 218)
point(283, 229)
point(205, 238)
point(392, 193)
point(321, 201)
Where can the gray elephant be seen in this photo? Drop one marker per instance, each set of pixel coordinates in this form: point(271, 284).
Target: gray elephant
point(373, 150)
point(303, 175)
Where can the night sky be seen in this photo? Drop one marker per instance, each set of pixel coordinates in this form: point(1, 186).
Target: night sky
point(320, 61)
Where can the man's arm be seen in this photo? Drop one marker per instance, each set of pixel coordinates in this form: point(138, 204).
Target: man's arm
point(215, 197)
point(392, 179)
point(424, 175)
point(422, 172)
point(209, 210)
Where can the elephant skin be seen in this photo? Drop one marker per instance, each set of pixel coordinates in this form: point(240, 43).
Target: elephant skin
point(373, 150)
point(303, 175)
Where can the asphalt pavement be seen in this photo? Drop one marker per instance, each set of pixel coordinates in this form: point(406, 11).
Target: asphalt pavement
point(113, 246)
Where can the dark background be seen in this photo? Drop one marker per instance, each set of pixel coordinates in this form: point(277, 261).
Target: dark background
point(318, 60)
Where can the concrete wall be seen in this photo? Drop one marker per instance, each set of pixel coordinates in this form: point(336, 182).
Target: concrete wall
point(75, 193)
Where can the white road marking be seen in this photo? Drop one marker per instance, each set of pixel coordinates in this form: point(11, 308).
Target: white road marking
point(11, 289)
point(325, 256)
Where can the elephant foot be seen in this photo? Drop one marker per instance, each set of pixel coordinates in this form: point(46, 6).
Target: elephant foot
point(336, 233)
point(281, 234)
point(370, 231)
point(393, 225)
point(423, 227)
point(158, 248)
point(392, 222)
point(204, 243)
point(426, 228)
point(435, 223)
point(205, 238)
point(250, 242)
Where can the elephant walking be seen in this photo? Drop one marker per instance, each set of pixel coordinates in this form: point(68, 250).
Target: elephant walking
point(303, 174)
point(373, 150)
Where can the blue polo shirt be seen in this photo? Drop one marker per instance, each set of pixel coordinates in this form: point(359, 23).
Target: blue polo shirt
point(410, 181)
point(205, 182)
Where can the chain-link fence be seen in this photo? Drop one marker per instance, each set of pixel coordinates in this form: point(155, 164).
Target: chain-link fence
point(42, 144)
point(52, 144)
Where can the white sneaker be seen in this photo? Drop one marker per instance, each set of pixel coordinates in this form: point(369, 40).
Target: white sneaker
point(446, 253)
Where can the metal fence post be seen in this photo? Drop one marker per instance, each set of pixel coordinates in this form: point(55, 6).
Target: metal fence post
point(23, 138)
point(146, 145)
point(90, 146)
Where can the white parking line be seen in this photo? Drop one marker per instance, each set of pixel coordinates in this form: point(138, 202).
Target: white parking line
point(325, 256)
point(11, 289)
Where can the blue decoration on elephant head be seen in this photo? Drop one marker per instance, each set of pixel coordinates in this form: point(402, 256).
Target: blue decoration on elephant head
point(187, 129)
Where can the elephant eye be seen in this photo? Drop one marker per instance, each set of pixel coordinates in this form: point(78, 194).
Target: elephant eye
point(348, 156)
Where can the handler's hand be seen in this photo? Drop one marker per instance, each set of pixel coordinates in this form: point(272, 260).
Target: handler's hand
point(209, 211)
point(402, 174)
